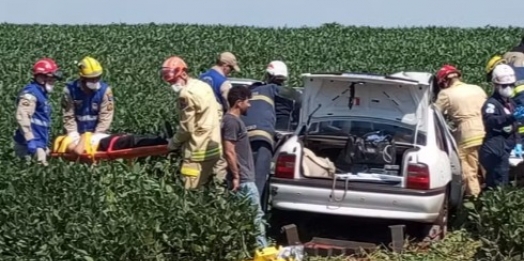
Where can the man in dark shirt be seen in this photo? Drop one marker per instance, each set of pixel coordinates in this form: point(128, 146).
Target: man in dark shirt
point(237, 150)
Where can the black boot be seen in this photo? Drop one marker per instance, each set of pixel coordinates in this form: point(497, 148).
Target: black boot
point(168, 130)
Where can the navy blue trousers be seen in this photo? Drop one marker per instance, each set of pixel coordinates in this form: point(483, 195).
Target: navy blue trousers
point(496, 166)
point(262, 155)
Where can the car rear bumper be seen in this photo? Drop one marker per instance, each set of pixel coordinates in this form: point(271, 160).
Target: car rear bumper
point(360, 200)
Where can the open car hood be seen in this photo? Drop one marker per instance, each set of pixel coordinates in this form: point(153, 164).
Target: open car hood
point(403, 97)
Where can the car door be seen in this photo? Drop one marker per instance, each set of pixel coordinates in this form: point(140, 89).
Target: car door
point(450, 141)
point(457, 186)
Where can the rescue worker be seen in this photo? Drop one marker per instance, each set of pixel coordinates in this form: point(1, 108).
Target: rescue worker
point(500, 122)
point(261, 118)
point(493, 61)
point(198, 134)
point(467, 119)
point(33, 112)
point(87, 103)
point(518, 93)
point(216, 77)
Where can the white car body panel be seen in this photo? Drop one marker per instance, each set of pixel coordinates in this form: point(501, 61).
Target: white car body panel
point(358, 204)
point(406, 102)
point(241, 81)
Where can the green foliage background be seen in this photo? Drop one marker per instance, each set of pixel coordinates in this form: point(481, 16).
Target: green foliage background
point(132, 56)
point(54, 213)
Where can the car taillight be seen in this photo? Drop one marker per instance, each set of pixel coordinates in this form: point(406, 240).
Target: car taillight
point(285, 166)
point(418, 176)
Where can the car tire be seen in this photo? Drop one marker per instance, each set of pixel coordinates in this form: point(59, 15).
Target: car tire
point(439, 228)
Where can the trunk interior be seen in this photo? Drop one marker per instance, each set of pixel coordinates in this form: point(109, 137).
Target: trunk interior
point(333, 148)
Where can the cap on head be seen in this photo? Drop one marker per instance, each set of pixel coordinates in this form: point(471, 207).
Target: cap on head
point(503, 74)
point(277, 69)
point(89, 67)
point(172, 68)
point(229, 59)
point(447, 71)
point(46, 66)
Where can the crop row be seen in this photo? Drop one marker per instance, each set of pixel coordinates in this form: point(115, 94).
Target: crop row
point(132, 55)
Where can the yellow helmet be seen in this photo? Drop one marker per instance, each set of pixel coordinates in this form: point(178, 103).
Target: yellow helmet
point(89, 67)
point(494, 61)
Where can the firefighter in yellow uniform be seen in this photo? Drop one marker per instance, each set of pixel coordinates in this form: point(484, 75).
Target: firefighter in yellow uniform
point(198, 134)
point(467, 118)
point(87, 103)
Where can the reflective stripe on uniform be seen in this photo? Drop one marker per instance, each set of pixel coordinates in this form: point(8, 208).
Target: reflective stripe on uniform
point(205, 154)
point(260, 97)
point(521, 129)
point(519, 88)
point(265, 134)
point(39, 122)
point(87, 118)
point(188, 171)
point(473, 141)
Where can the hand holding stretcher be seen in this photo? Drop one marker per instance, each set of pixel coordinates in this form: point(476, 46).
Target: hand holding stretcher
point(95, 147)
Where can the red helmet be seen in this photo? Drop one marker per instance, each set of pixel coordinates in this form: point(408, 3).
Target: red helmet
point(445, 71)
point(48, 67)
point(172, 68)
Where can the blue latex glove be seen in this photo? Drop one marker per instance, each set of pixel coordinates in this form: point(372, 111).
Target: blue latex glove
point(519, 113)
point(518, 150)
point(31, 147)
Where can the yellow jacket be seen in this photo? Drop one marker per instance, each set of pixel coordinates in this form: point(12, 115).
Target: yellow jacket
point(462, 103)
point(199, 123)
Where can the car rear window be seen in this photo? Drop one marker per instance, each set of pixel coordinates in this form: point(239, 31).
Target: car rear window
point(361, 127)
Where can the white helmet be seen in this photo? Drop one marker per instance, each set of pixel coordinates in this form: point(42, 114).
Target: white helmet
point(503, 74)
point(277, 68)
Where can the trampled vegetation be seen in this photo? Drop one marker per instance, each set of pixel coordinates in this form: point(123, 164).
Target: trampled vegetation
point(116, 212)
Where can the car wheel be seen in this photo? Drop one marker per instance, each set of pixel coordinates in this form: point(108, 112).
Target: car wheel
point(439, 228)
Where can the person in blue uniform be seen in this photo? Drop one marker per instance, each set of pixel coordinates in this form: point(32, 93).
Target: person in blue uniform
point(518, 92)
point(33, 112)
point(87, 103)
point(500, 117)
point(261, 118)
point(216, 77)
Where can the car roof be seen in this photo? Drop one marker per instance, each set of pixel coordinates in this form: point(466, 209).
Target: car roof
point(405, 77)
point(241, 80)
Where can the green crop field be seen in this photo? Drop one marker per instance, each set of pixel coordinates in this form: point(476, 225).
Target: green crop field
point(72, 212)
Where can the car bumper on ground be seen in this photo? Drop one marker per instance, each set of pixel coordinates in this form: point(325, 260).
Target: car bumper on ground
point(360, 200)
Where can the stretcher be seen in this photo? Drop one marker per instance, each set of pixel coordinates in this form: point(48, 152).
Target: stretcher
point(91, 156)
